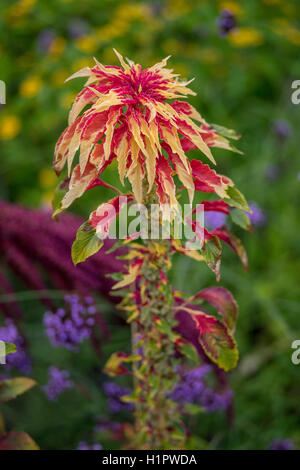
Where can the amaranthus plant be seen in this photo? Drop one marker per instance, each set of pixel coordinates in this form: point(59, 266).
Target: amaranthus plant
point(140, 119)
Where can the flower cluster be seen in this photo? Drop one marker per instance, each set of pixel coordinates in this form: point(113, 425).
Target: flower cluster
point(281, 444)
point(214, 220)
point(192, 388)
point(226, 22)
point(84, 446)
point(257, 216)
point(69, 326)
point(58, 382)
point(282, 129)
point(35, 249)
point(114, 393)
point(20, 359)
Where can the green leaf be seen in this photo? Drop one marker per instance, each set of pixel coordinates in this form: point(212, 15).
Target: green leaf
point(220, 346)
point(129, 398)
point(229, 133)
point(115, 364)
point(212, 255)
point(235, 244)
point(17, 441)
point(213, 335)
point(193, 409)
point(115, 246)
point(86, 244)
point(59, 193)
point(10, 348)
point(240, 218)
point(236, 150)
point(166, 329)
point(11, 388)
point(115, 276)
point(190, 352)
point(237, 199)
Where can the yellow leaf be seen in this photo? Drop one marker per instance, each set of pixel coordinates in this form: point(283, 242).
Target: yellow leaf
point(128, 278)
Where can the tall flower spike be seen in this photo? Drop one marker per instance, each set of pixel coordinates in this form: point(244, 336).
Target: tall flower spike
point(131, 118)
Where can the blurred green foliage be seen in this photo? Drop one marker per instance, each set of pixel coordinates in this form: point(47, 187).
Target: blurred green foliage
point(242, 81)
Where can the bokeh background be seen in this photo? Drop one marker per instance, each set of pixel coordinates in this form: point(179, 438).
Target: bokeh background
point(244, 60)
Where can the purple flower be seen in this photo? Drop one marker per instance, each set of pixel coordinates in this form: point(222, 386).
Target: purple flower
point(114, 393)
point(58, 382)
point(84, 446)
point(156, 8)
point(192, 388)
point(77, 27)
point(108, 426)
point(282, 129)
point(226, 22)
point(272, 172)
point(45, 39)
point(281, 444)
point(213, 401)
point(18, 360)
point(69, 326)
point(257, 217)
point(214, 219)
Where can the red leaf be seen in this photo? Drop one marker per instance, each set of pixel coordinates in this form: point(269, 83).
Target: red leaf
point(207, 180)
point(216, 206)
point(102, 218)
point(234, 243)
point(212, 335)
point(223, 301)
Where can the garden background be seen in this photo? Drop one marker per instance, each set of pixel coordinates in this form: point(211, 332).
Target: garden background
point(243, 81)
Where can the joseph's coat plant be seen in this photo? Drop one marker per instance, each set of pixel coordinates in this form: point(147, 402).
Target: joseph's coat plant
point(141, 120)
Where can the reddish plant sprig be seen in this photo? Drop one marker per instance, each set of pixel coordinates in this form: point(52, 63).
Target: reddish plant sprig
point(37, 251)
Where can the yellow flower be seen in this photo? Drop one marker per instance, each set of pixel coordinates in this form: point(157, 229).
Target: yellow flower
point(28, 3)
point(282, 27)
point(47, 198)
point(232, 6)
point(108, 32)
point(57, 47)
point(30, 87)
point(179, 7)
point(47, 178)
point(293, 35)
point(130, 11)
point(86, 44)
point(272, 2)
point(209, 55)
point(245, 37)
point(9, 127)
point(20, 9)
point(59, 77)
